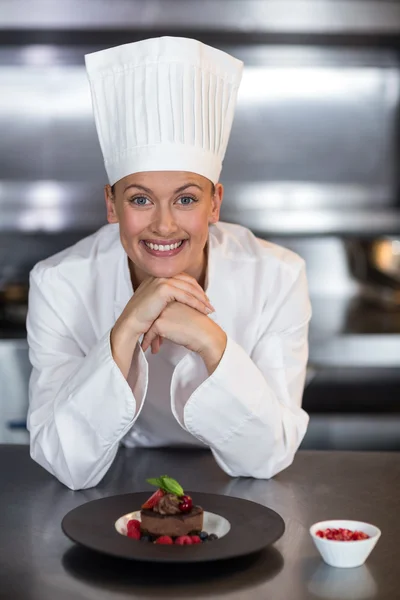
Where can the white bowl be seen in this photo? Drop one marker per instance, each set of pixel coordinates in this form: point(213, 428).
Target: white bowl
point(345, 554)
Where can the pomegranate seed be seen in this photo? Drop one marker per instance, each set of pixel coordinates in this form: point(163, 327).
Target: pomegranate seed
point(342, 535)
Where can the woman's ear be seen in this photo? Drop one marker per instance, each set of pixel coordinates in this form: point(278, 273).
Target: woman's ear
point(112, 216)
point(216, 201)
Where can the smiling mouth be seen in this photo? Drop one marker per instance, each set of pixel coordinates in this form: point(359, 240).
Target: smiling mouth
point(163, 247)
point(164, 250)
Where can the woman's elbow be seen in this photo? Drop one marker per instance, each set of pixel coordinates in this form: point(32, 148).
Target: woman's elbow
point(52, 459)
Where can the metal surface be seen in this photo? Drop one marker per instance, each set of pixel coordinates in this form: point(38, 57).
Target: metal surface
point(38, 562)
point(352, 432)
point(347, 332)
point(313, 147)
point(14, 376)
point(267, 16)
point(345, 222)
point(376, 266)
point(357, 350)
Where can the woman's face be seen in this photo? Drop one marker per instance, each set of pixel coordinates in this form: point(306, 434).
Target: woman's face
point(163, 218)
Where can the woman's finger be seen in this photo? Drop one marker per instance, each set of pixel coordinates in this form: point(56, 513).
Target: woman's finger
point(187, 298)
point(148, 338)
point(192, 281)
point(173, 286)
point(155, 345)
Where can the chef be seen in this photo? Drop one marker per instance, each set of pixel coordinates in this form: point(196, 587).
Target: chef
point(166, 327)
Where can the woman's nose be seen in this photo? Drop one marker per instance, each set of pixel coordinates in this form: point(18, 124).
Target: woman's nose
point(164, 223)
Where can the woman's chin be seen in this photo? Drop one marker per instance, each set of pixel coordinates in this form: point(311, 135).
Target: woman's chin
point(164, 271)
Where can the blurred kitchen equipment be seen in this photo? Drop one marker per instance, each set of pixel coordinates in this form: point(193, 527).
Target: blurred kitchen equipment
point(313, 161)
point(376, 266)
point(14, 290)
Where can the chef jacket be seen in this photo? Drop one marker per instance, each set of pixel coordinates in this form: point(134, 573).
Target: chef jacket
point(248, 412)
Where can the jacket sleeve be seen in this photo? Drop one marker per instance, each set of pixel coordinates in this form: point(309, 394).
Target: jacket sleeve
point(249, 410)
point(80, 405)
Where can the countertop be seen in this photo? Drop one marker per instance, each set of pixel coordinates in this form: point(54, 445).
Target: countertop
point(37, 562)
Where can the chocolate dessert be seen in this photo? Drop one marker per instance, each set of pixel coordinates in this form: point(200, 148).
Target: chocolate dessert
point(169, 511)
point(172, 525)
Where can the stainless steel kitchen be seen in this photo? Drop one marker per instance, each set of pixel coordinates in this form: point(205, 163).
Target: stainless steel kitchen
point(313, 165)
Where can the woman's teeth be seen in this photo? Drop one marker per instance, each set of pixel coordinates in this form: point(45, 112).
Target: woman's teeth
point(164, 247)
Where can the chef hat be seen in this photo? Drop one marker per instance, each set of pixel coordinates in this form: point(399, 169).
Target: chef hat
point(163, 104)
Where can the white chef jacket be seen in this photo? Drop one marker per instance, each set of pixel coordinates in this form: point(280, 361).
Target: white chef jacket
point(248, 412)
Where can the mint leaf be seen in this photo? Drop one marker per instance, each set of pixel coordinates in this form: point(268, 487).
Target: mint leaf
point(171, 486)
point(155, 481)
point(167, 484)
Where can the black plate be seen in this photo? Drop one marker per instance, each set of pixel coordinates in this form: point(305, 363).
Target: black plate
point(253, 527)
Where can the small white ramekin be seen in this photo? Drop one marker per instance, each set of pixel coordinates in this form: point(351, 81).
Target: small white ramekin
point(345, 554)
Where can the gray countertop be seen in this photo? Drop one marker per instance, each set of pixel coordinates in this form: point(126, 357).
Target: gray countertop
point(37, 562)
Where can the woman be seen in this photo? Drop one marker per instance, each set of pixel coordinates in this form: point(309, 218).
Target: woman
point(166, 327)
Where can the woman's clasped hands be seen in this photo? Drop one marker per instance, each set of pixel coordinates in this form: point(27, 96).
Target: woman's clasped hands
point(176, 309)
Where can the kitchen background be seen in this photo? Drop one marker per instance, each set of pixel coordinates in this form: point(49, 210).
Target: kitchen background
point(313, 164)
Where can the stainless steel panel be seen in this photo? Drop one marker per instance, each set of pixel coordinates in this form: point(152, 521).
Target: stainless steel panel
point(313, 146)
point(348, 432)
point(267, 16)
point(316, 131)
point(14, 376)
point(356, 351)
point(46, 124)
point(361, 222)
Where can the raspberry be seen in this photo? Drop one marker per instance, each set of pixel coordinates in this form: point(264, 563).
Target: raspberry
point(164, 539)
point(133, 524)
point(184, 540)
point(134, 533)
point(195, 539)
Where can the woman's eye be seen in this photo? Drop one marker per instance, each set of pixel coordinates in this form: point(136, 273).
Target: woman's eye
point(140, 201)
point(186, 201)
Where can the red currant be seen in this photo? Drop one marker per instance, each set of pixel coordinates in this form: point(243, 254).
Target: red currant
point(186, 504)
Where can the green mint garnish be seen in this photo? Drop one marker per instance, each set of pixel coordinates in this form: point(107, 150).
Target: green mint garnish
point(156, 482)
point(167, 484)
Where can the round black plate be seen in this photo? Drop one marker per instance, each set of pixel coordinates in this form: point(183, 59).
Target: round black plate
point(253, 527)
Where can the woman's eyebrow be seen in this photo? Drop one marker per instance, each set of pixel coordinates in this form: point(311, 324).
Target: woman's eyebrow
point(139, 187)
point(188, 185)
point(148, 191)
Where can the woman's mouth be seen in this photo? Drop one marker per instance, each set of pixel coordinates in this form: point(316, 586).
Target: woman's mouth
point(163, 249)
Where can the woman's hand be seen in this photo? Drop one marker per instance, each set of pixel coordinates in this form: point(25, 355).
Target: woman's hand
point(154, 295)
point(145, 306)
point(187, 327)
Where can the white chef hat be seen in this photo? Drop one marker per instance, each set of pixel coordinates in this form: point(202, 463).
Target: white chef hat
point(163, 104)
